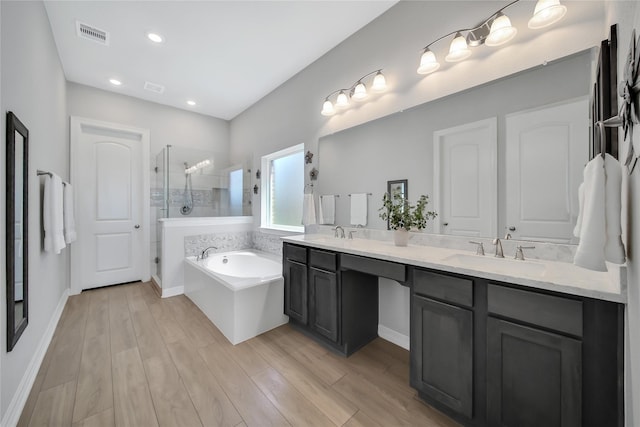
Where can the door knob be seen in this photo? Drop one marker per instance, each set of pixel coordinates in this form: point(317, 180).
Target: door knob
point(512, 228)
point(445, 223)
point(136, 226)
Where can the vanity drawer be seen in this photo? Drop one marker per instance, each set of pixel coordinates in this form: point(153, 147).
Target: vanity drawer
point(548, 311)
point(375, 267)
point(295, 253)
point(451, 289)
point(323, 259)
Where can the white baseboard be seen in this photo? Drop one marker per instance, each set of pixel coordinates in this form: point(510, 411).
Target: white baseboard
point(392, 336)
point(172, 292)
point(12, 416)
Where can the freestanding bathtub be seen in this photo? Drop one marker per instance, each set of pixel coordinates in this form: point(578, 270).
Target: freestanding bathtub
point(241, 292)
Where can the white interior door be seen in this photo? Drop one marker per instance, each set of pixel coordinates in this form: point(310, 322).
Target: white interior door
point(465, 179)
point(545, 156)
point(110, 174)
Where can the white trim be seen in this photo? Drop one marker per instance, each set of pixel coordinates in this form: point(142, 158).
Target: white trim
point(16, 406)
point(75, 130)
point(172, 292)
point(394, 337)
point(198, 221)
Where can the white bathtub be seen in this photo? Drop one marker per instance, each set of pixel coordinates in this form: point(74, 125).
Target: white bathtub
point(241, 292)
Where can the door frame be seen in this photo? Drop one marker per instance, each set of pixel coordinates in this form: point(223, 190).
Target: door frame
point(491, 124)
point(75, 132)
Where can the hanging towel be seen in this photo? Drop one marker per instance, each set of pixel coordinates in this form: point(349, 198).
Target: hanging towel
point(308, 210)
point(327, 210)
point(69, 217)
point(598, 224)
point(359, 209)
point(53, 214)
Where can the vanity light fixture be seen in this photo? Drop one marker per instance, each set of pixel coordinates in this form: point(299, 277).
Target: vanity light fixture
point(496, 30)
point(357, 92)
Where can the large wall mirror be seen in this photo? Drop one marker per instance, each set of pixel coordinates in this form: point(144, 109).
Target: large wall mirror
point(533, 128)
point(17, 230)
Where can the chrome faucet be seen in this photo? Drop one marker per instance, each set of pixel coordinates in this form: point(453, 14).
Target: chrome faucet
point(339, 228)
point(479, 249)
point(205, 254)
point(498, 245)
point(520, 254)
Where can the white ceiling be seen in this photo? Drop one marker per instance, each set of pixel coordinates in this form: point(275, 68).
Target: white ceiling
point(225, 55)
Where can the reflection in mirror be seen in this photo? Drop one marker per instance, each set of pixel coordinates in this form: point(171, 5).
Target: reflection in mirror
point(399, 186)
point(17, 236)
point(402, 144)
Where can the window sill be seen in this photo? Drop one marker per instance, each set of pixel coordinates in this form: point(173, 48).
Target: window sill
point(282, 231)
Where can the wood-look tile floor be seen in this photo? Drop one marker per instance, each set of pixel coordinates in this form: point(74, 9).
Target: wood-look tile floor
point(123, 356)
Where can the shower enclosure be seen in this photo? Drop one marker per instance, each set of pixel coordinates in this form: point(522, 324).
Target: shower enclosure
point(192, 183)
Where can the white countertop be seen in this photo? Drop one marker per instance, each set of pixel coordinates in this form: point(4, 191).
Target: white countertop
point(554, 276)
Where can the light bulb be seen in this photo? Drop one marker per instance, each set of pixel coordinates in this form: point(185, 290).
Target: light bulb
point(428, 62)
point(343, 100)
point(458, 50)
point(327, 108)
point(359, 92)
point(547, 12)
point(115, 82)
point(501, 31)
point(379, 83)
point(191, 102)
point(156, 38)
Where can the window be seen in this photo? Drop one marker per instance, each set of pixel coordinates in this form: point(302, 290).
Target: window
point(283, 189)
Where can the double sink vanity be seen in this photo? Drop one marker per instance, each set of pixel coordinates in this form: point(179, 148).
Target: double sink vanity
point(492, 341)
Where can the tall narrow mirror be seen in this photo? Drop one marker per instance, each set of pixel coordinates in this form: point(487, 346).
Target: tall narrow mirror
point(17, 221)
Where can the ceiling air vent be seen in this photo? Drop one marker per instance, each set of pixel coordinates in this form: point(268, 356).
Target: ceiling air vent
point(89, 32)
point(153, 87)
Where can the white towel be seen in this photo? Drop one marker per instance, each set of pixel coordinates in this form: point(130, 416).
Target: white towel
point(53, 214)
point(359, 209)
point(598, 224)
point(69, 217)
point(327, 209)
point(308, 210)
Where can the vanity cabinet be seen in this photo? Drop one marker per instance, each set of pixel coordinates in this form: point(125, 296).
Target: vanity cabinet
point(338, 307)
point(496, 354)
point(295, 283)
point(442, 340)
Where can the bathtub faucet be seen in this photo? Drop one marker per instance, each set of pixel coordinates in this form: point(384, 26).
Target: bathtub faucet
point(205, 253)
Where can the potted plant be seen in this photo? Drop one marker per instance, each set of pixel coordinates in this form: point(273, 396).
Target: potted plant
point(403, 217)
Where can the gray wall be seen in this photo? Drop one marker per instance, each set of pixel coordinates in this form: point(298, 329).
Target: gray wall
point(627, 15)
point(400, 146)
point(33, 87)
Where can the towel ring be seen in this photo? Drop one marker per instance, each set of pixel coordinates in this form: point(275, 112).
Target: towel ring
point(602, 137)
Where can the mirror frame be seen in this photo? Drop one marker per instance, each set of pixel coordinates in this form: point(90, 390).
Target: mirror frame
point(14, 331)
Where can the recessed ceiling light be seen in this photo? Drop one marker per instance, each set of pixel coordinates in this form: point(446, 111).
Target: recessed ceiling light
point(115, 82)
point(192, 103)
point(156, 38)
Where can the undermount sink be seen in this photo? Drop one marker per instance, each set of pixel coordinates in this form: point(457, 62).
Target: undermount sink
point(498, 265)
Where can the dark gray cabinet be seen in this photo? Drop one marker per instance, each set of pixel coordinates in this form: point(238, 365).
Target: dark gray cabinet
point(534, 377)
point(495, 354)
point(324, 304)
point(295, 283)
point(337, 307)
point(442, 353)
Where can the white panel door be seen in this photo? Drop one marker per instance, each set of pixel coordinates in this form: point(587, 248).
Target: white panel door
point(545, 156)
point(109, 180)
point(465, 179)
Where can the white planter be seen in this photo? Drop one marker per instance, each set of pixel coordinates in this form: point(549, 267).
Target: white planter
point(401, 237)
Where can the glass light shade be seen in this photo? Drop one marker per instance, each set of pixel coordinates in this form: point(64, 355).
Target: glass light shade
point(343, 100)
point(428, 62)
point(379, 83)
point(501, 31)
point(359, 92)
point(547, 12)
point(458, 50)
point(327, 108)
